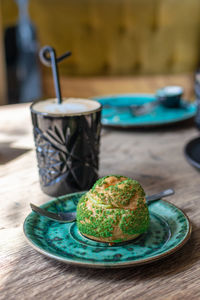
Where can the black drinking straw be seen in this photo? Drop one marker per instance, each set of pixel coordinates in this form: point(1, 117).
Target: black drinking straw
point(48, 58)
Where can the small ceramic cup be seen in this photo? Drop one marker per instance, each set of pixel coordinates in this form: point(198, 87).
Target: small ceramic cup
point(67, 144)
point(170, 96)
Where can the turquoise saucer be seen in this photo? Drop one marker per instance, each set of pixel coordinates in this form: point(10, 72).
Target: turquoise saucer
point(121, 117)
point(169, 230)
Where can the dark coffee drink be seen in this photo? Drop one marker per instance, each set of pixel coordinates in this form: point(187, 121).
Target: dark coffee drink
point(67, 144)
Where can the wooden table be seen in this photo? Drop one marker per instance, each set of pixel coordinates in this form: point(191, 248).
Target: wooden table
point(153, 157)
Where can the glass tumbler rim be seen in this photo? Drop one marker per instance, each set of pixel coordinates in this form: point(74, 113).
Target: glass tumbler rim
point(64, 115)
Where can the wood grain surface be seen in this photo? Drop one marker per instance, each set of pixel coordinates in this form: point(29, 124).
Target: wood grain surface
point(153, 157)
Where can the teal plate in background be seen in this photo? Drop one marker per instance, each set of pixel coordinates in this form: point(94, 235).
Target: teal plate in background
point(169, 230)
point(157, 117)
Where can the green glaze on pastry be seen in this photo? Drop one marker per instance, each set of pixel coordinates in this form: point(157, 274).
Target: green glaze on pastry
point(114, 210)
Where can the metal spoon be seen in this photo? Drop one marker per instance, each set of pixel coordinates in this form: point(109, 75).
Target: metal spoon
point(67, 217)
point(135, 109)
point(140, 110)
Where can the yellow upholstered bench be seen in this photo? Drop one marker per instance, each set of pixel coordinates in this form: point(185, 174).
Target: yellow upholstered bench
point(115, 37)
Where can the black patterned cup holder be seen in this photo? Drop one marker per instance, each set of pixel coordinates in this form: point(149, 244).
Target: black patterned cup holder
point(197, 92)
point(67, 149)
point(192, 148)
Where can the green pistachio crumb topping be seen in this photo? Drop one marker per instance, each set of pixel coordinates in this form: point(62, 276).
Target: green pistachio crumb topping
point(107, 209)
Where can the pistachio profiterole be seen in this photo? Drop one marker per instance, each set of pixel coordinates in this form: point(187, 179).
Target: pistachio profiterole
point(114, 210)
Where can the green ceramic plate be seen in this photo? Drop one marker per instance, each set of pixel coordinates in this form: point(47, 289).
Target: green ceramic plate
point(117, 116)
point(169, 230)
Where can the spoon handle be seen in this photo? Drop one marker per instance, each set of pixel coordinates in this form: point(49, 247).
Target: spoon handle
point(160, 195)
point(59, 217)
